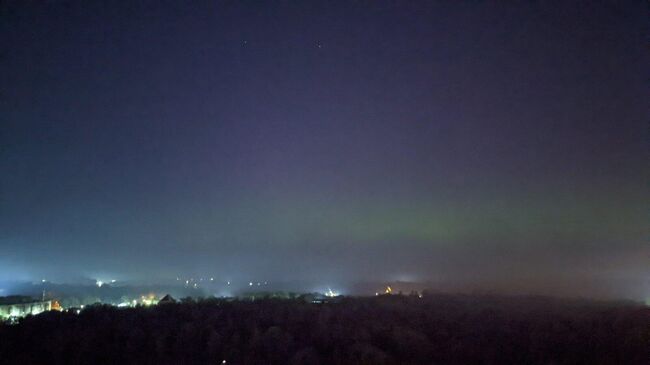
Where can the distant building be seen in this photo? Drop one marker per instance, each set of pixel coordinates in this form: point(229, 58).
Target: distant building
point(18, 306)
point(56, 306)
point(167, 299)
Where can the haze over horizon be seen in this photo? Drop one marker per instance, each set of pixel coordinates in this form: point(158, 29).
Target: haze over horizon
point(475, 145)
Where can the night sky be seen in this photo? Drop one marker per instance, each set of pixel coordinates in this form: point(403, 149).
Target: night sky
point(470, 144)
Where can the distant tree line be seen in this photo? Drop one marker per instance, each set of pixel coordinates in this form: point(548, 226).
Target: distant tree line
point(435, 329)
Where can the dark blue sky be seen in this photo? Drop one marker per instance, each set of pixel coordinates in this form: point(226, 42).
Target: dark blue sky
point(503, 145)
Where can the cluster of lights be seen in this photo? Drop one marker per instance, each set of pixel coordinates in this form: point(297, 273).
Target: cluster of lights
point(250, 283)
point(101, 283)
point(387, 291)
point(330, 293)
point(149, 300)
point(146, 300)
point(192, 282)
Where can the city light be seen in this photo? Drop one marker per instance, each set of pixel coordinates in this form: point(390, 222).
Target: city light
point(149, 299)
point(330, 293)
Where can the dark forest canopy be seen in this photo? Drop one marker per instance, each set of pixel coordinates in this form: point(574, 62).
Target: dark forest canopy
point(435, 329)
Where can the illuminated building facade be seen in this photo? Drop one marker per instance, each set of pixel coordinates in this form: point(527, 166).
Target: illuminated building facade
point(21, 307)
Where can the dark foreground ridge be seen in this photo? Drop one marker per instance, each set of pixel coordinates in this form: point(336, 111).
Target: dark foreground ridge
point(436, 329)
